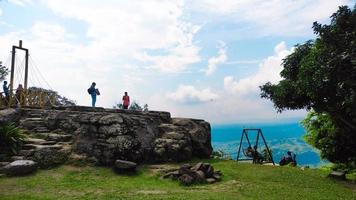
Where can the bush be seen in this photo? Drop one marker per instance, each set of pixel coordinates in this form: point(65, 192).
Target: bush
point(220, 154)
point(11, 138)
point(336, 144)
point(266, 155)
point(133, 106)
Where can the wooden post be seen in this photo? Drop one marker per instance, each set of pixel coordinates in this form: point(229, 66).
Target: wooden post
point(12, 74)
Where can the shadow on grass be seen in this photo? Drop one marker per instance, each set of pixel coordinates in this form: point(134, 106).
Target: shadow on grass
point(127, 172)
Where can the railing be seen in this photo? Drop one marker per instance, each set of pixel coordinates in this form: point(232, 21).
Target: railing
point(28, 98)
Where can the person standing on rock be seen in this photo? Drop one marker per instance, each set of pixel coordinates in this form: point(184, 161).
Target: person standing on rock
point(93, 92)
point(126, 101)
point(6, 87)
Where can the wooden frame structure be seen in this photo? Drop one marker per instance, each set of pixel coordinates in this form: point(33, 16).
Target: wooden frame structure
point(13, 54)
point(245, 132)
point(24, 97)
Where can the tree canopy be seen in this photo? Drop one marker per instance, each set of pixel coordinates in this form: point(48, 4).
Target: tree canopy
point(3, 71)
point(320, 75)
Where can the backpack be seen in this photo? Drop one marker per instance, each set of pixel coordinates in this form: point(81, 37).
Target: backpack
point(89, 91)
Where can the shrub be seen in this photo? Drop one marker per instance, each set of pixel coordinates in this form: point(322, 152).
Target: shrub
point(220, 154)
point(11, 138)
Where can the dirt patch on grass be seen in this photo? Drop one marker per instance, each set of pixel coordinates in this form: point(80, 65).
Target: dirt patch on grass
point(149, 192)
point(161, 169)
point(73, 168)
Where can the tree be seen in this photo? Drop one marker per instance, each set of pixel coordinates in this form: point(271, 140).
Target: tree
point(133, 106)
point(118, 106)
point(4, 71)
point(320, 75)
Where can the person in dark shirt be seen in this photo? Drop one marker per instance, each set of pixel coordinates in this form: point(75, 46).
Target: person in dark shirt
point(93, 92)
point(5, 88)
point(287, 159)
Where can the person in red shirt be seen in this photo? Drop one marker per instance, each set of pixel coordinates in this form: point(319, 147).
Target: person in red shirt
point(126, 101)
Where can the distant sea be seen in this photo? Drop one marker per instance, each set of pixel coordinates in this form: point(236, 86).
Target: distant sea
point(280, 137)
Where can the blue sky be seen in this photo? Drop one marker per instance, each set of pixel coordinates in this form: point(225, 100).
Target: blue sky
point(202, 58)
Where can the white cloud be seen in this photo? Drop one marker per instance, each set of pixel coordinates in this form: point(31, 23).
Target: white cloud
point(189, 94)
point(269, 70)
point(48, 31)
point(122, 40)
point(130, 31)
point(275, 17)
point(20, 2)
point(214, 61)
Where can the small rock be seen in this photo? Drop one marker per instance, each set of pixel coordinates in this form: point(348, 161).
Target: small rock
point(173, 175)
point(20, 167)
point(209, 171)
point(200, 176)
point(217, 176)
point(341, 175)
point(304, 167)
point(14, 158)
point(210, 180)
point(2, 164)
point(186, 179)
point(26, 153)
point(198, 166)
point(185, 169)
point(123, 165)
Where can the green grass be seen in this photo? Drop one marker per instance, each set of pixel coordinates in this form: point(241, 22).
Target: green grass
point(240, 181)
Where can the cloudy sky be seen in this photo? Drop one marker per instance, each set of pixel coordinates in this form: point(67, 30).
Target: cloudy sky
point(201, 58)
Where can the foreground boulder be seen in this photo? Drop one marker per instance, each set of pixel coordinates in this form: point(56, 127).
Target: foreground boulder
point(125, 166)
point(199, 173)
point(19, 168)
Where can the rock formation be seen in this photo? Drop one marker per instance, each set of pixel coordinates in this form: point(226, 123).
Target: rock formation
point(103, 135)
point(199, 173)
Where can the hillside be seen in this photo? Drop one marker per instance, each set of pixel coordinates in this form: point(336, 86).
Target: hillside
point(240, 181)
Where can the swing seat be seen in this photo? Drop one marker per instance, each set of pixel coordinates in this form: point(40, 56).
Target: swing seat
point(248, 153)
point(253, 153)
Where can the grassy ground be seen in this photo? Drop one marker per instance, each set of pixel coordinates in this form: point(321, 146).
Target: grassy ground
point(240, 181)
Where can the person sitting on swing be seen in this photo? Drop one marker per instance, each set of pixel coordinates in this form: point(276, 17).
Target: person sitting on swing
point(258, 157)
point(253, 153)
point(249, 152)
point(288, 159)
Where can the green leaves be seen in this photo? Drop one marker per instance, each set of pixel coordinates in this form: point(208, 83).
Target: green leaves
point(4, 71)
point(11, 138)
point(321, 75)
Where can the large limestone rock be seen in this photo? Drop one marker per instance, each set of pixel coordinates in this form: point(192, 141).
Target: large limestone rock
point(19, 168)
point(107, 135)
point(199, 132)
point(171, 149)
point(50, 156)
point(9, 116)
